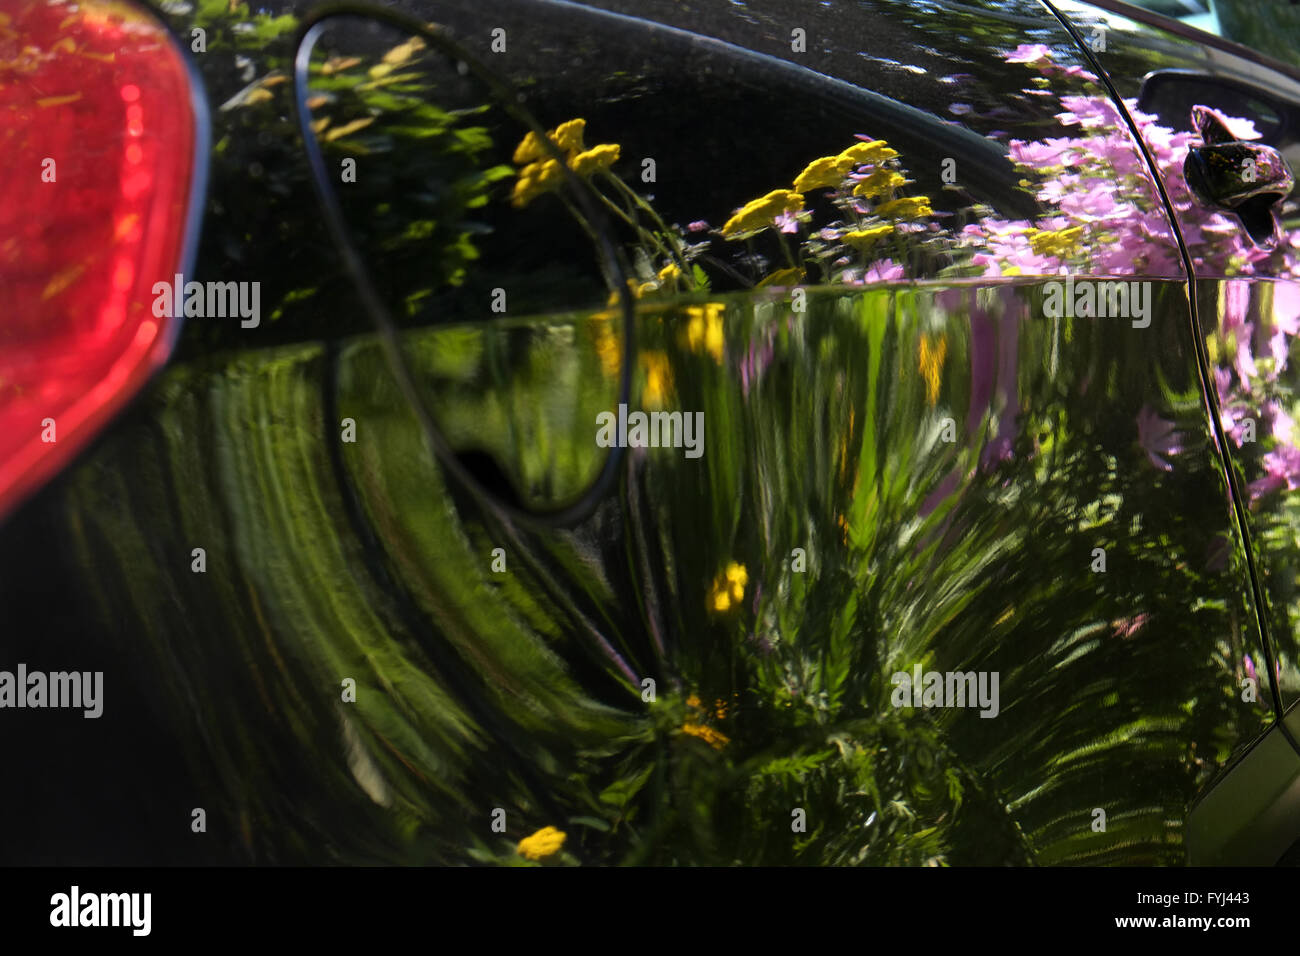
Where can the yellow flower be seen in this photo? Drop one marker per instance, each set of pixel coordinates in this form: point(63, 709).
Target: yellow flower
point(862, 238)
point(693, 701)
point(596, 159)
point(545, 842)
point(860, 154)
point(670, 273)
point(704, 330)
point(658, 380)
point(910, 207)
point(759, 213)
point(825, 172)
point(931, 362)
point(879, 183)
point(710, 736)
point(536, 179)
point(1060, 243)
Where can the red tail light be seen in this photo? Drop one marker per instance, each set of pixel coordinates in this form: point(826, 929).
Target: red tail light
point(101, 140)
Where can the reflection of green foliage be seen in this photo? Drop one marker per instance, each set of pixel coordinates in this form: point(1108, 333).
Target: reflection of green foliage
point(522, 690)
point(258, 185)
point(427, 174)
point(260, 189)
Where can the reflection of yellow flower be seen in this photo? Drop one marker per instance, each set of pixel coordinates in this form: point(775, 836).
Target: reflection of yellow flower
point(608, 347)
point(713, 738)
point(782, 277)
point(860, 154)
point(931, 362)
point(545, 842)
point(596, 159)
point(728, 588)
point(759, 213)
point(825, 172)
point(658, 380)
point(879, 183)
point(695, 726)
point(845, 437)
point(862, 238)
point(910, 207)
point(535, 179)
point(704, 330)
point(1060, 243)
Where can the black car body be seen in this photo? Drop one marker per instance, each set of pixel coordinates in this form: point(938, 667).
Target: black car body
point(973, 560)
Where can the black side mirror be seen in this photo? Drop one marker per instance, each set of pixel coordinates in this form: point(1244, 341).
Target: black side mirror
point(1247, 179)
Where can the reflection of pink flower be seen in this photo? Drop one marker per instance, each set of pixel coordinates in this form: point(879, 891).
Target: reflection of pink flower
point(1157, 438)
point(1216, 555)
point(1029, 53)
point(1280, 425)
point(994, 359)
point(1286, 322)
point(756, 361)
point(1126, 627)
point(1281, 470)
point(1042, 152)
point(886, 270)
point(787, 222)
